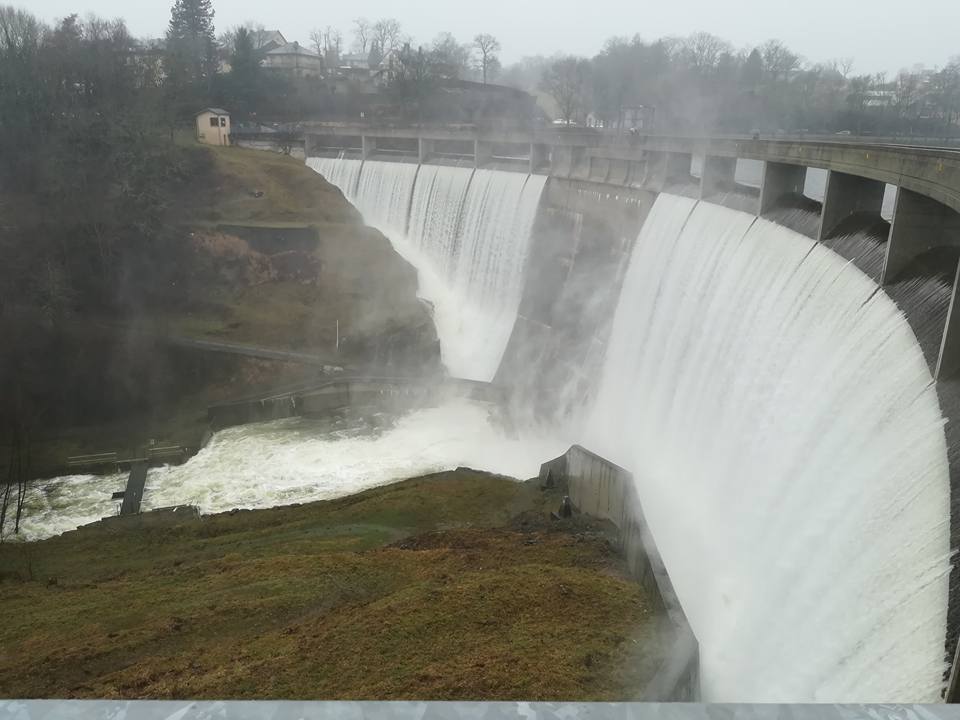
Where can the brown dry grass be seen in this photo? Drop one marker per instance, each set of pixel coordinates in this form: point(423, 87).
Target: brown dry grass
point(417, 590)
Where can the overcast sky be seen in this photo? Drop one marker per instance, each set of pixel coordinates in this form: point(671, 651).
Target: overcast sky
point(881, 35)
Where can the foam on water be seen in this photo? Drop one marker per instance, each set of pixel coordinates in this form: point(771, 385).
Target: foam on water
point(467, 232)
point(787, 443)
point(298, 460)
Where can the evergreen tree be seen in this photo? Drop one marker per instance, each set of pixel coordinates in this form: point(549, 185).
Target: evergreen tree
point(191, 61)
point(244, 72)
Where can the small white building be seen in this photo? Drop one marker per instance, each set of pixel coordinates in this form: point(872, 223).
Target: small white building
point(213, 126)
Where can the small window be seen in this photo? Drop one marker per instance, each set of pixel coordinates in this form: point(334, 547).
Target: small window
point(223, 122)
point(213, 122)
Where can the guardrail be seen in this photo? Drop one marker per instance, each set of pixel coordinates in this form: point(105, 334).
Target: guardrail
point(92, 460)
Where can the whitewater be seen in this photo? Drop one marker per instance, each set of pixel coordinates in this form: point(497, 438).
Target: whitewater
point(466, 231)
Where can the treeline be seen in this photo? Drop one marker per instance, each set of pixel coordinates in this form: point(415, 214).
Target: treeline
point(703, 84)
point(88, 173)
point(86, 158)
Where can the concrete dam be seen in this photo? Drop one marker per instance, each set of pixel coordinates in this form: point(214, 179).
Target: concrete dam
point(762, 363)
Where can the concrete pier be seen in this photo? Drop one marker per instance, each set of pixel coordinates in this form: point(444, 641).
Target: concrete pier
point(539, 157)
point(919, 224)
point(948, 364)
point(133, 494)
point(779, 180)
point(482, 153)
point(368, 146)
point(667, 168)
point(718, 176)
point(848, 195)
point(425, 149)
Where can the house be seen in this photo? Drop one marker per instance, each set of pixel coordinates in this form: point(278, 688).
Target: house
point(359, 61)
point(213, 126)
point(295, 60)
point(266, 40)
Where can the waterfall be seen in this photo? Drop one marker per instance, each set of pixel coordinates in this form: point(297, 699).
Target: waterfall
point(340, 172)
point(466, 231)
point(786, 440)
point(776, 411)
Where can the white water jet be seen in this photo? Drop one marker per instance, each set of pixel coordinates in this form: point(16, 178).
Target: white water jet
point(467, 232)
point(786, 440)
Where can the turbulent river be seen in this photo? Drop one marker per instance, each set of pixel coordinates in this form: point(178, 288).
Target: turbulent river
point(299, 460)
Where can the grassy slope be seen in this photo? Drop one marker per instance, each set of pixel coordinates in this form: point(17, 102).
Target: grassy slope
point(432, 588)
point(362, 282)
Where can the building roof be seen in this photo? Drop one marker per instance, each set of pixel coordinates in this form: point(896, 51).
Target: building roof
point(293, 48)
point(215, 111)
point(268, 39)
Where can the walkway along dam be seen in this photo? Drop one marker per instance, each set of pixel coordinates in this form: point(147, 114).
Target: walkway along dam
point(762, 333)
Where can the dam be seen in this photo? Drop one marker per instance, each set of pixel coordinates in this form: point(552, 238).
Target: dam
point(748, 337)
point(764, 363)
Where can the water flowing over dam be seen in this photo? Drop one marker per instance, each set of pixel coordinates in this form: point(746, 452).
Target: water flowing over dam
point(780, 420)
point(786, 438)
point(466, 231)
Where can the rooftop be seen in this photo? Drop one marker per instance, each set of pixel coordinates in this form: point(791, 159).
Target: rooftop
point(293, 48)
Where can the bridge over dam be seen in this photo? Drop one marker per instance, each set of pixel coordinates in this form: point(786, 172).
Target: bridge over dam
point(762, 331)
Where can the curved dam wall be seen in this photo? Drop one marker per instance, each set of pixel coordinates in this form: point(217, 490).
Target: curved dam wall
point(773, 405)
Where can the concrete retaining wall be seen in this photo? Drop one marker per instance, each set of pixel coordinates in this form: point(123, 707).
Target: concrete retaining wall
point(603, 490)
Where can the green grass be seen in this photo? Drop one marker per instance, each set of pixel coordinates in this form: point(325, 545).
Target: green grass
point(291, 192)
point(451, 586)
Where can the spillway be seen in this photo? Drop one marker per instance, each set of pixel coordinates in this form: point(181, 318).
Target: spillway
point(466, 231)
point(786, 439)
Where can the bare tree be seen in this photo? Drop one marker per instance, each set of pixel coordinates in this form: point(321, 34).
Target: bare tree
point(450, 58)
point(566, 81)
point(412, 79)
point(19, 30)
point(317, 41)
point(703, 51)
point(778, 60)
point(488, 47)
point(362, 32)
point(906, 92)
point(386, 33)
point(13, 496)
point(845, 66)
point(332, 46)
